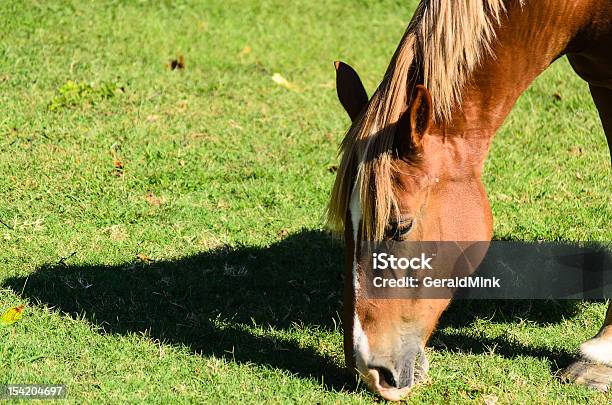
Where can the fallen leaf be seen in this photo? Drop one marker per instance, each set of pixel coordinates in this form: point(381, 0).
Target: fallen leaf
point(281, 81)
point(177, 63)
point(118, 170)
point(144, 258)
point(246, 50)
point(11, 315)
point(557, 96)
point(152, 118)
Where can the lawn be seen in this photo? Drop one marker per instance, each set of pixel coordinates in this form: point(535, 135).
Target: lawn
point(162, 217)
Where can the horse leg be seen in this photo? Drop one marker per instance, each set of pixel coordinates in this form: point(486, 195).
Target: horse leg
point(603, 100)
point(594, 367)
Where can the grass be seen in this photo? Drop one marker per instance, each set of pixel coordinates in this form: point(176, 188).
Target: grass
point(164, 227)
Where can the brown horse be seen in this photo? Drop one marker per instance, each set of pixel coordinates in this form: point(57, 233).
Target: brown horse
point(413, 157)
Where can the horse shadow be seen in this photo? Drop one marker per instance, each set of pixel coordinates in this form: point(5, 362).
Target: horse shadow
point(209, 302)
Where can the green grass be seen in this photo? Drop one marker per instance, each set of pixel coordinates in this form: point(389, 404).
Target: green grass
point(164, 227)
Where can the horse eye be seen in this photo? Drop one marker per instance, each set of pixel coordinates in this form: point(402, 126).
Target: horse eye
point(399, 230)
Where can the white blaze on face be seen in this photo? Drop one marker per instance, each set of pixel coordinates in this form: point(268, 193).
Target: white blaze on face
point(360, 340)
point(361, 348)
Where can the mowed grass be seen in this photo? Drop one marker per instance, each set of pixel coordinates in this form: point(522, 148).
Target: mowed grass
point(164, 228)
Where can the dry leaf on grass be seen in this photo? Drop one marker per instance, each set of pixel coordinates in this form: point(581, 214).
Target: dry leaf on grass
point(177, 63)
point(118, 170)
point(144, 258)
point(12, 315)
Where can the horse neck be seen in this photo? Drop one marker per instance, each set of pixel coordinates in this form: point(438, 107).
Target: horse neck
point(529, 38)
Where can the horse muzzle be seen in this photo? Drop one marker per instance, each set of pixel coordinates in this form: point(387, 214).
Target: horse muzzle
point(392, 377)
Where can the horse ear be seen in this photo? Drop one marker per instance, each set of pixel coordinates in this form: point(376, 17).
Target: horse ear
point(351, 93)
point(420, 114)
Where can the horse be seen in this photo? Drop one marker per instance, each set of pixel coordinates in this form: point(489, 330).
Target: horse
point(411, 162)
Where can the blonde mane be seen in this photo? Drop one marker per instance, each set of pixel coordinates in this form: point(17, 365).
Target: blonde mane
point(443, 43)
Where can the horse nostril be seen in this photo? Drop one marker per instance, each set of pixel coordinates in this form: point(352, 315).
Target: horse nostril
point(386, 377)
